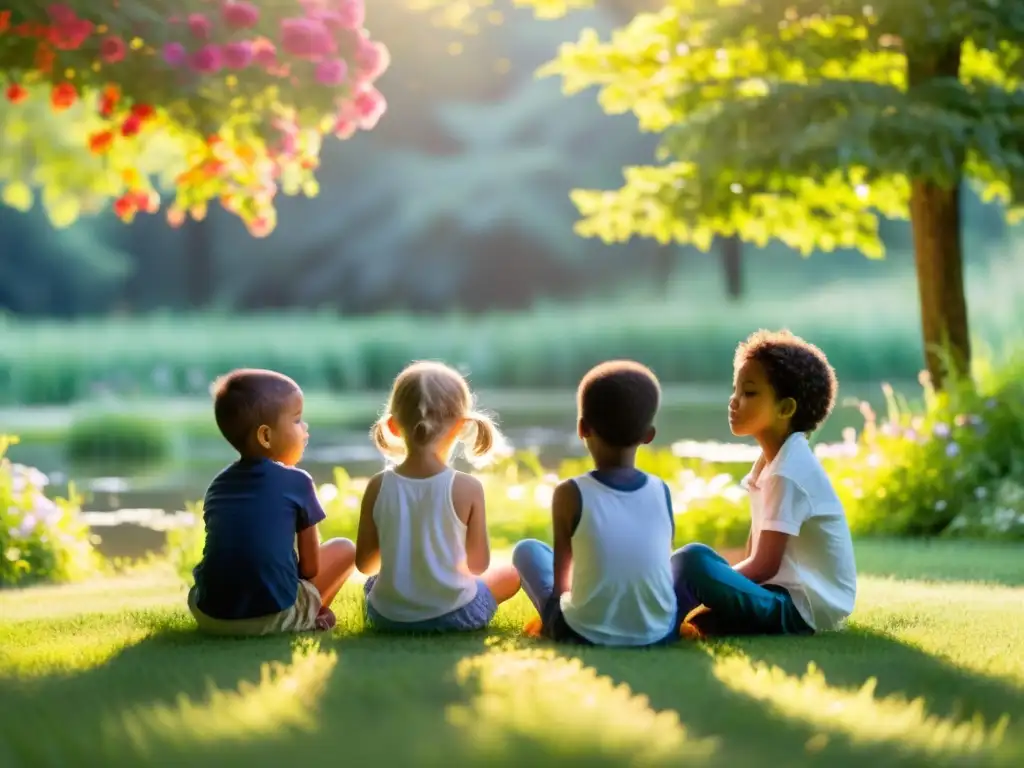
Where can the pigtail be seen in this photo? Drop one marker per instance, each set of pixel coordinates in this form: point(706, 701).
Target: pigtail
point(482, 439)
point(386, 441)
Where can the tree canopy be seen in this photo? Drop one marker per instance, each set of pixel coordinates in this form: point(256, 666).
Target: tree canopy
point(802, 120)
point(806, 121)
point(217, 100)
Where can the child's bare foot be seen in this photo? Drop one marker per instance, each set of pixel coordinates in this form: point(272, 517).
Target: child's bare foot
point(533, 627)
point(326, 620)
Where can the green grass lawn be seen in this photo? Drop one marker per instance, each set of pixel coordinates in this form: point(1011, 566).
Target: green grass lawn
point(112, 674)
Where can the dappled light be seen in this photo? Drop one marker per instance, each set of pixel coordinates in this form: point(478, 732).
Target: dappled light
point(729, 291)
point(563, 707)
point(284, 700)
point(859, 714)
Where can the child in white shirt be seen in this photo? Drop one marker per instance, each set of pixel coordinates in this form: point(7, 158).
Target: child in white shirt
point(799, 575)
point(608, 579)
point(422, 525)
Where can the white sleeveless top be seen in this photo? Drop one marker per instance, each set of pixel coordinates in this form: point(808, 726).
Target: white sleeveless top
point(622, 587)
point(423, 570)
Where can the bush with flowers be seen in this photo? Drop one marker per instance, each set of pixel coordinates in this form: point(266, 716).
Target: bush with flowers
point(952, 465)
point(224, 101)
point(41, 539)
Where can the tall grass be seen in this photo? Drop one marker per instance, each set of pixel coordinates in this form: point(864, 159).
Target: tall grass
point(869, 328)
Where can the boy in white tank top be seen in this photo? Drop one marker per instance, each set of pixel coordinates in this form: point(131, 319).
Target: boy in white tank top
point(608, 580)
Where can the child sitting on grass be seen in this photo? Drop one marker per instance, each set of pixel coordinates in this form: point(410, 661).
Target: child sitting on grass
point(608, 580)
point(799, 575)
point(422, 525)
point(250, 581)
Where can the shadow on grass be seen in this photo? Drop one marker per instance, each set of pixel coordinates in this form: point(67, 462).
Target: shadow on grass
point(759, 699)
point(177, 698)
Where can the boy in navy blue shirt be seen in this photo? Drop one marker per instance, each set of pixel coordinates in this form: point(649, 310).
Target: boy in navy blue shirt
point(251, 580)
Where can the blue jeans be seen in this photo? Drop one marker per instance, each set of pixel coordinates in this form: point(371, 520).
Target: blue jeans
point(735, 604)
point(473, 616)
point(535, 562)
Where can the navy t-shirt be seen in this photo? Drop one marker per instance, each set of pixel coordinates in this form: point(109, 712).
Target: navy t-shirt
point(253, 510)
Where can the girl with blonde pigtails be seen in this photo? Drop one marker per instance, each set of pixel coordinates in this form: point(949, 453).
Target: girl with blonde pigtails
point(422, 525)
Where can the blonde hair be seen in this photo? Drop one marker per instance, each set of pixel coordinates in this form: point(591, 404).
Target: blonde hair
point(426, 401)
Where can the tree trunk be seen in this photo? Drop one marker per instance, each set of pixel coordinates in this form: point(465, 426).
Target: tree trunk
point(938, 250)
point(938, 254)
point(665, 259)
point(731, 251)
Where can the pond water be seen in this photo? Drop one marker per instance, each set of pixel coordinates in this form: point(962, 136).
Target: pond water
point(170, 485)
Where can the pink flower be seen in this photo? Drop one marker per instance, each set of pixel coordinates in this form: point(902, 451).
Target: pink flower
point(261, 226)
point(175, 54)
point(70, 33)
point(264, 53)
point(112, 49)
point(240, 15)
point(344, 128)
point(306, 38)
point(351, 13)
point(199, 25)
point(370, 106)
point(175, 216)
point(238, 55)
point(372, 59)
point(208, 60)
point(330, 19)
point(331, 72)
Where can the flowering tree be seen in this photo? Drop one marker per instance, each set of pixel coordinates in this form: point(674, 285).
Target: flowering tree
point(218, 100)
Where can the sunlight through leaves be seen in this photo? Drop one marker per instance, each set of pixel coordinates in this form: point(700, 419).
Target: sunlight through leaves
point(857, 714)
point(278, 705)
point(559, 704)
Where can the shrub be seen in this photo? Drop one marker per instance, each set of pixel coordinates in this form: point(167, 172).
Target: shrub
point(951, 465)
point(41, 539)
point(709, 505)
point(184, 548)
point(118, 437)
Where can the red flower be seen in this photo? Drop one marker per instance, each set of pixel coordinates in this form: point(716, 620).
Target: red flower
point(143, 111)
point(16, 94)
point(5, 21)
point(108, 102)
point(101, 142)
point(112, 49)
point(125, 207)
point(63, 96)
point(131, 126)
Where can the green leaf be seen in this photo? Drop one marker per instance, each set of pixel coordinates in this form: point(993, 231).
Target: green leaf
point(18, 195)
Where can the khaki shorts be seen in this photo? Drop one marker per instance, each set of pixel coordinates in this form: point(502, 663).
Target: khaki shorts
point(301, 617)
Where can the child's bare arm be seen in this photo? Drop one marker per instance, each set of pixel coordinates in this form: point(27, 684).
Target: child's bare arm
point(565, 504)
point(309, 552)
point(468, 493)
point(764, 562)
point(786, 506)
point(367, 542)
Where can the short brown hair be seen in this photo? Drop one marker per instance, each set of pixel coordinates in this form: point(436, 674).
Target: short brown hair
point(796, 369)
point(247, 398)
point(618, 400)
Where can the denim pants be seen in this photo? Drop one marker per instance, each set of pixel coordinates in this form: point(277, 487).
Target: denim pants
point(535, 562)
point(735, 604)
